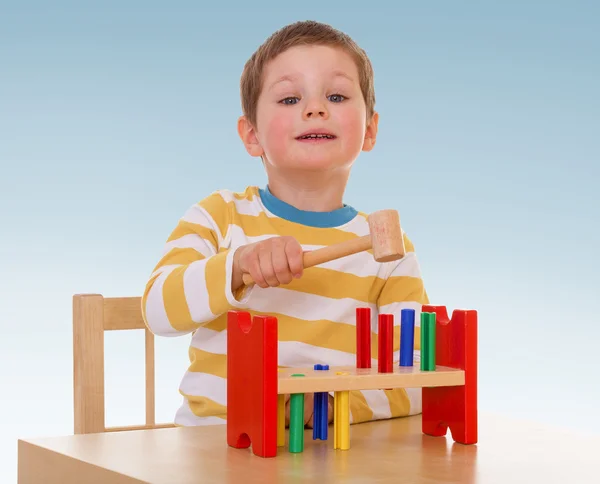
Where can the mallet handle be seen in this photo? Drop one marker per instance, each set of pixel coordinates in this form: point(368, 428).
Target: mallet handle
point(329, 253)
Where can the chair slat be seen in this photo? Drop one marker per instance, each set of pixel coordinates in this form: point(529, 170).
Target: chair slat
point(140, 427)
point(88, 363)
point(150, 380)
point(122, 313)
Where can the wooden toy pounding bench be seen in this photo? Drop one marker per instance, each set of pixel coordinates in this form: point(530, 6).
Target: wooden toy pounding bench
point(256, 388)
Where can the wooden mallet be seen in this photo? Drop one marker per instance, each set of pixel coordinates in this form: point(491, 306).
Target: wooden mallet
point(385, 238)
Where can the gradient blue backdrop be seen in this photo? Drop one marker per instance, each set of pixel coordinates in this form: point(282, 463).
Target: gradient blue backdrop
point(114, 118)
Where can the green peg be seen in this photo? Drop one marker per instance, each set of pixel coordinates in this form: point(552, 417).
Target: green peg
point(296, 443)
point(431, 342)
point(428, 347)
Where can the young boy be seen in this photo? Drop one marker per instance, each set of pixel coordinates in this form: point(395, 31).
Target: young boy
point(308, 111)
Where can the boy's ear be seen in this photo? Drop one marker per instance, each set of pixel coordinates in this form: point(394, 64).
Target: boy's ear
point(371, 133)
point(248, 136)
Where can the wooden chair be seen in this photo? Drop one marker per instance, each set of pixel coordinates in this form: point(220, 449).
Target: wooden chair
point(92, 315)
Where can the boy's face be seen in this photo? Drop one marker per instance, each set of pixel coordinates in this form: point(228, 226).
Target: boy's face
point(310, 90)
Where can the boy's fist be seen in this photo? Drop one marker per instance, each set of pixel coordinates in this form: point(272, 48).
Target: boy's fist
point(270, 262)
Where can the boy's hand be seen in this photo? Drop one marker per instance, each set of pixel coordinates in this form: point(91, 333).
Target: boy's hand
point(270, 262)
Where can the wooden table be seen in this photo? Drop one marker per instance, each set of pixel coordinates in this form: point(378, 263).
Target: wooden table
point(394, 451)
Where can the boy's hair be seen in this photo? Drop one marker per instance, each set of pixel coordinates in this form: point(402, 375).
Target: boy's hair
point(302, 33)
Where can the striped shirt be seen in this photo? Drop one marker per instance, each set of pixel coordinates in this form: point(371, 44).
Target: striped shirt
point(189, 293)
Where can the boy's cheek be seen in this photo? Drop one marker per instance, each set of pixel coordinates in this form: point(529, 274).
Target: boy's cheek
point(351, 122)
point(280, 126)
point(276, 135)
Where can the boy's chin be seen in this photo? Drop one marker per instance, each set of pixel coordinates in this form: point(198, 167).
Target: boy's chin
point(318, 165)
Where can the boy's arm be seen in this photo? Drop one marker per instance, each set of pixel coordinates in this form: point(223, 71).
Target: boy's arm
point(191, 284)
point(404, 288)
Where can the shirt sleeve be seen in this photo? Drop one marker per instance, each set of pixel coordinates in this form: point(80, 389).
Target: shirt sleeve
point(191, 283)
point(402, 289)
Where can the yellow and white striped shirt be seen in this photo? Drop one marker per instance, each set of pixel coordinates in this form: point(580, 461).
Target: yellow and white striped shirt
point(189, 292)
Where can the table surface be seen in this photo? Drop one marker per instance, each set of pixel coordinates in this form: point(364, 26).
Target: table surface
point(393, 451)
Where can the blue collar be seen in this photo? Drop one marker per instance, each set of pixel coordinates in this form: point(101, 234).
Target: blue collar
point(286, 211)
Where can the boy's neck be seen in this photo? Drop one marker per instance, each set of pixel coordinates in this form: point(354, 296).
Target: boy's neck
point(315, 193)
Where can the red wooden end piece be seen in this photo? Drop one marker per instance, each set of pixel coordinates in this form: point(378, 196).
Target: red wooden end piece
point(252, 382)
point(453, 406)
point(385, 341)
point(363, 337)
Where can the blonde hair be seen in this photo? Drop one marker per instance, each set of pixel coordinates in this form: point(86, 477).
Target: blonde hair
point(302, 33)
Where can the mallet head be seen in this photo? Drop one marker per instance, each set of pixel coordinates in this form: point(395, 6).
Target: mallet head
point(386, 235)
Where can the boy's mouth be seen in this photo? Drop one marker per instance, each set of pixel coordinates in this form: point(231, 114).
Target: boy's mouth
point(311, 136)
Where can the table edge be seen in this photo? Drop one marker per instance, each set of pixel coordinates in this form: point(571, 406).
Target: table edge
point(34, 459)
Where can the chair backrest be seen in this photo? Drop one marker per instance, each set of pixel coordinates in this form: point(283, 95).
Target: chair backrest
point(92, 315)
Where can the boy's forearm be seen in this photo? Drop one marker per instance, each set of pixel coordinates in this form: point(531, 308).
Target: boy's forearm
point(183, 297)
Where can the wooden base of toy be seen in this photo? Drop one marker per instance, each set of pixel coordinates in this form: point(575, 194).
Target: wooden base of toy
point(254, 382)
point(345, 378)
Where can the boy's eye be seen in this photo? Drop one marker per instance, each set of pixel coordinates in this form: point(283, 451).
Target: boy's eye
point(336, 98)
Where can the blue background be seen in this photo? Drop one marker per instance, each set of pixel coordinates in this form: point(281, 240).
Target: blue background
point(115, 117)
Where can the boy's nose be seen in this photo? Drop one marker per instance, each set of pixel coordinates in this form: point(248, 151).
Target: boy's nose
point(314, 112)
point(315, 107)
